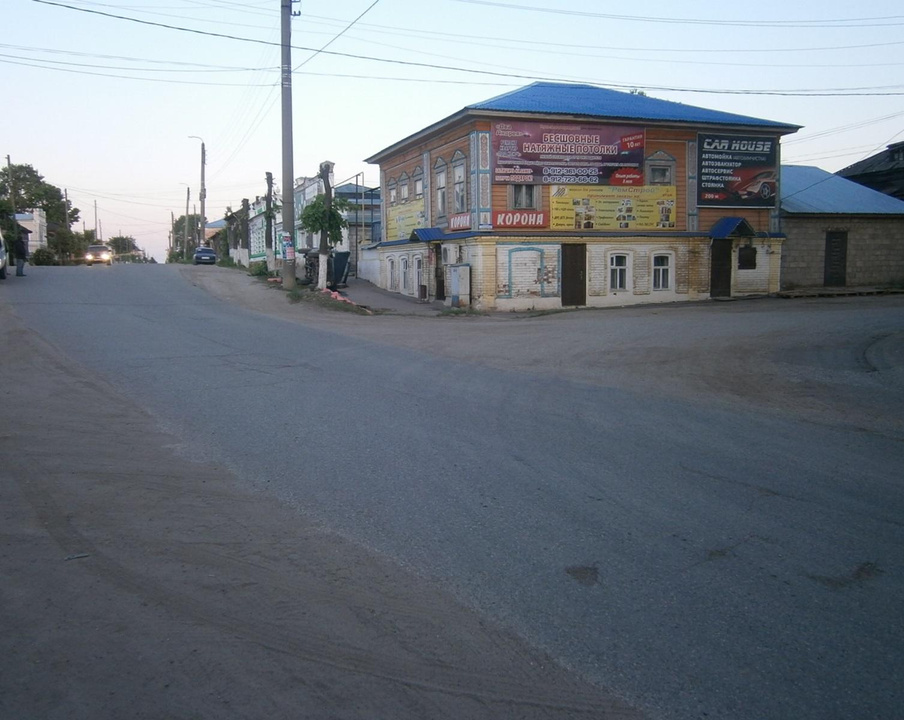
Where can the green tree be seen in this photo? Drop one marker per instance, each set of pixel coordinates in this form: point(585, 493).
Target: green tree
point(31, 191)
point(65, 245)
point(329, 224)
point(314, 218)
point(25, 188)
point(123, 244)
point(194, 228)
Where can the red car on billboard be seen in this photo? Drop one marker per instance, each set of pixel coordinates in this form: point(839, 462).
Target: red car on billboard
point(762, 185)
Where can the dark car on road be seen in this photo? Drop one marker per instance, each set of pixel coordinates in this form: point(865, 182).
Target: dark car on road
point(98, 254)
point(205, 255)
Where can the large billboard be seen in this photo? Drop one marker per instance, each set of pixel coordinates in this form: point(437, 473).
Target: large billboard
point(651, 207)
point(737, 170)
point(535, 153)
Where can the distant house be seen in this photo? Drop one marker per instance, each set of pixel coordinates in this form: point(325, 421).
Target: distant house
point(838, 232)
point(562, 195)
point(883, 171)
point(362, 216)
point(35, 222)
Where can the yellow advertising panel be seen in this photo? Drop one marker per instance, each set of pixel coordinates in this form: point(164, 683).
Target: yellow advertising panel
point(610, 207)
point(402, 219)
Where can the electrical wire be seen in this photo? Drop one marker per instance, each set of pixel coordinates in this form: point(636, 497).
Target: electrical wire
point(845, 92)
point(843, 22)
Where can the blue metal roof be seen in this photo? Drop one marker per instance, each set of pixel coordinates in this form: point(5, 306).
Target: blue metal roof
point(731, 226)
point(597, 102)
point(811, 190)
point(437, 234)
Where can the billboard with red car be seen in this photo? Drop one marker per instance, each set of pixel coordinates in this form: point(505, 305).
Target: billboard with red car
point(737, 170)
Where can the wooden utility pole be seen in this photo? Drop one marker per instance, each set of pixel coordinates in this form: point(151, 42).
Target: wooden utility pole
point(185, 226)
point(268, 243)
point(288, 170)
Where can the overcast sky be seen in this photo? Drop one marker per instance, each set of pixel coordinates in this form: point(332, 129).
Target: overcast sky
point(101, 97)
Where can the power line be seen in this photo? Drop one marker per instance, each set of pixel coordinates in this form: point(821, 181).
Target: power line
point(338, 35)
point(465, 39)
point(843, 22)
point(845, 92)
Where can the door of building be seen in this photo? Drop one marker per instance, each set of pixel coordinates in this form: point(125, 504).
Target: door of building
point(836, 259)
point(720, 269)
point(574, 275)
point(439, 273)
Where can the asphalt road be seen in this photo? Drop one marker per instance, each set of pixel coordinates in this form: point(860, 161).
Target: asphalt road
point(696, 507)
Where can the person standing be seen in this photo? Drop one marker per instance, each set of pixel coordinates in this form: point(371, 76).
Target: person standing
point(21, 253)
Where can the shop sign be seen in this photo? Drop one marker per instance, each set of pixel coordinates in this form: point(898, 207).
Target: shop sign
point(520, 219)
point(462, 221)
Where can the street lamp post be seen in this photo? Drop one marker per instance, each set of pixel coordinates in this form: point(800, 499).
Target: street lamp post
point(185, 224)
point(203, 195)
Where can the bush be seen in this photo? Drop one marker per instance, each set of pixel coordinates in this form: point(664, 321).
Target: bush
point(258, 269)
point(43, 256)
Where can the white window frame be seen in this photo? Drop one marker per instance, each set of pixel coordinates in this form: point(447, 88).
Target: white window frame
point(662, 274)
point(403, 188)
point(440, 177)
point(519, 201)
point(393, 192)
point(660, 162)
point(459, 183)
point(618, 271)
point(418, 178)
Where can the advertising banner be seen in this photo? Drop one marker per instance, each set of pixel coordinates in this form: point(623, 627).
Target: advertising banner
point(520, 219)
point(462, 221)
point(288, 247)
point(402, 219)
point(650, 207)
point(736, 170)
point(534, 153)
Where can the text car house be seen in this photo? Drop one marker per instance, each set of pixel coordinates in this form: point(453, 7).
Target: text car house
point(572, 195)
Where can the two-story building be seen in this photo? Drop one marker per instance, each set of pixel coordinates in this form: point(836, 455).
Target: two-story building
point(560, 195)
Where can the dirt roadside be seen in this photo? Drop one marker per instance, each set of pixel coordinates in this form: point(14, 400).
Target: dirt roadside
point(135, 584)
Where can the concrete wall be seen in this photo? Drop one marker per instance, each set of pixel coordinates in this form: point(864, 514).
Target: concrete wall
point(875, 249)
point(527, 274)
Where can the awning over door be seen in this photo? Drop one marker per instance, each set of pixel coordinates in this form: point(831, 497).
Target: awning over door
point(731, 227)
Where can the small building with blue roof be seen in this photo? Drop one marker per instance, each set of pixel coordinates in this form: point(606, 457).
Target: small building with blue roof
point(839, 233)
point(565, 195)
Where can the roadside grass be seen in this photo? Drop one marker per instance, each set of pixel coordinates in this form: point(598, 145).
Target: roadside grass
point(310, 295)
point(461, 312)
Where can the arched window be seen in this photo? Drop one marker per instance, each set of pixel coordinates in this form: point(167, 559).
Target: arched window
point(418, 177)
point(459, 183)
point(439, 182)
point(403, 271)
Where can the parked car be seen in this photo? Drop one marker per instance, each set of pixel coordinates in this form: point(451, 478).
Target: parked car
point(99, 254)
point(3, 258)
point(205, 255)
